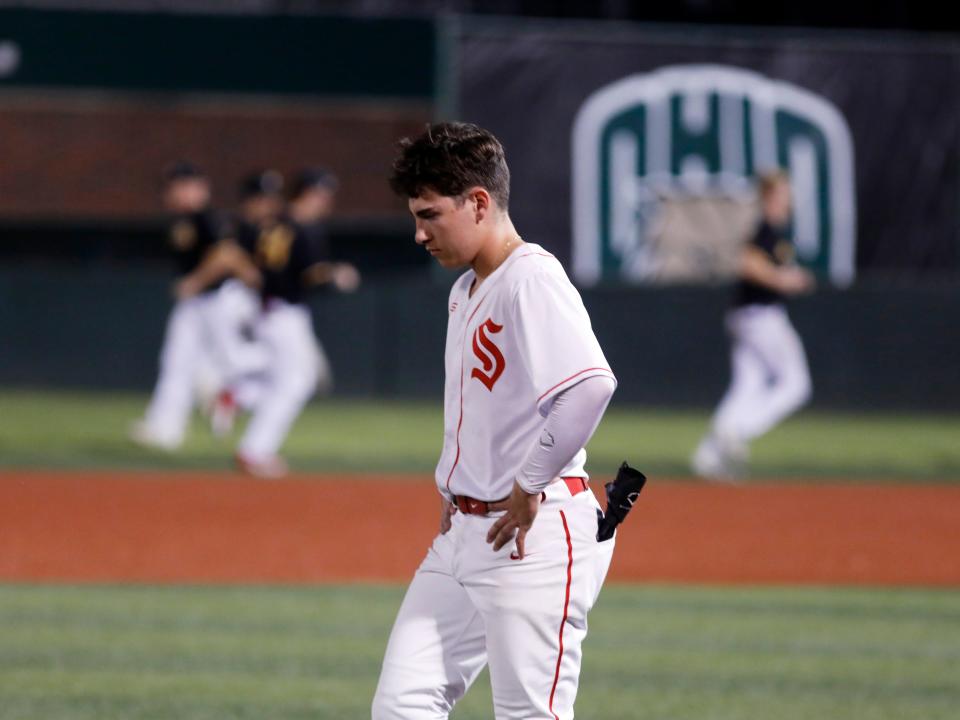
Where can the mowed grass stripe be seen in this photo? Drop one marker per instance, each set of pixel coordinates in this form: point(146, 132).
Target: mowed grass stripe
point(47, 429)
point(662, 652)
point(197, 696)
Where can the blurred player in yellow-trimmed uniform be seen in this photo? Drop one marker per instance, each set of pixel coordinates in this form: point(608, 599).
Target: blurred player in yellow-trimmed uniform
point(194, 341)
point(770, 377)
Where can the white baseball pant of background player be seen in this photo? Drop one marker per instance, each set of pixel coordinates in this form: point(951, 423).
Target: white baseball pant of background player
point(235, 350)
point(512, 349)
point(237, 311)
point(203, 346)
point(296, 365)
point(187, 346)
point(770, 377)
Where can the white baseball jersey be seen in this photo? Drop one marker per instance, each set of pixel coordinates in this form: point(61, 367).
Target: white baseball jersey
point(519, 341)
point(522, 338)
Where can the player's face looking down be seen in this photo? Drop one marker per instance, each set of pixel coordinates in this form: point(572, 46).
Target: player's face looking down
point(312, 205)
point(452, 229)
point(187, 195)
point(260, 209)
point(776, 203)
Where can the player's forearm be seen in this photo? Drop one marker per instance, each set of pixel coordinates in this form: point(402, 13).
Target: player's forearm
point(214, 267)
point(197, 281)
point(785, 279)
point(320, 273)
point(572, 419)
point(755, 267)
point(343, 276)
point(236, 262)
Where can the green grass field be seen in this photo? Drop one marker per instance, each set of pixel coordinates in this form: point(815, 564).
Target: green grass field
point(198, 653)
point(77, 430)
point(216, 653)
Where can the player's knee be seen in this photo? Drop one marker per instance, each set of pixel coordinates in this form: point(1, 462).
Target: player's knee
point(307, 385)
point(801, 388)
point(386, 706)
point(380, 710)
point(323, 381)
point(310, 378)
point(404, 696)
point(300, 384)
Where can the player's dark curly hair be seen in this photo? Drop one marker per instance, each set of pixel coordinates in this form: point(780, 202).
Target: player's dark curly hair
point(450, 158)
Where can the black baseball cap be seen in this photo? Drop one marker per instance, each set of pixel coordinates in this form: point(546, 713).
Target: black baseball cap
point(182, 170)
point(313, 177)
point(263, 182)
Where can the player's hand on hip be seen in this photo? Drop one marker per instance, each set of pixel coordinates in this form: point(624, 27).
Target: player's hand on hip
point(447, 509)
point(521, 511)
point(346, 278)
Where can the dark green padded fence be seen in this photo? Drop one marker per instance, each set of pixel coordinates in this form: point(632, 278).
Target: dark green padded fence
point(869, 348)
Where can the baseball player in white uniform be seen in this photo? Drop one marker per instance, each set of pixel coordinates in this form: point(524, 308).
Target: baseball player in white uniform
point(297, 362)
point(770, 378)
point(193, 342)
point(516, 566)
point(286, 262)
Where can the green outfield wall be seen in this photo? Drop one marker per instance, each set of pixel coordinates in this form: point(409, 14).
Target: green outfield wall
point(870, 347)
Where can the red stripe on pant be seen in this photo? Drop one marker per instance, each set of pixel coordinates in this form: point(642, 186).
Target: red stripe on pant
point(566, 607)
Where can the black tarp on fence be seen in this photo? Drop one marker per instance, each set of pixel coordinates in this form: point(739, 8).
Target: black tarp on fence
point(897, 95)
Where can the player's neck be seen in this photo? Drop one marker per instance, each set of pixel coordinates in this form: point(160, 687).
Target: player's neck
point(493, 255)
point(495, 251)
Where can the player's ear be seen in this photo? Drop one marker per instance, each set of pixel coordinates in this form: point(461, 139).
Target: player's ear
point(481, 202)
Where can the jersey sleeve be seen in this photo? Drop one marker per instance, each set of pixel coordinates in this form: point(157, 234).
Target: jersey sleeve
point(303, 254)
point(319, 239)
point(554, 337)
point(247, 238)
point(225, 226)
point(764, 239)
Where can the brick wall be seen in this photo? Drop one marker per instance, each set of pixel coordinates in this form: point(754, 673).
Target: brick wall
point(71, 156)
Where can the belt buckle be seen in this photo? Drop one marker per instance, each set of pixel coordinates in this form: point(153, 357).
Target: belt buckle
point(472, 506)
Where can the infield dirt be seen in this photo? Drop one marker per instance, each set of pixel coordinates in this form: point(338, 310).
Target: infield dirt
point(222, 528)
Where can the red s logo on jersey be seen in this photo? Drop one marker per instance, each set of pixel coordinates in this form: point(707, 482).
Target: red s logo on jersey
point(488, 354)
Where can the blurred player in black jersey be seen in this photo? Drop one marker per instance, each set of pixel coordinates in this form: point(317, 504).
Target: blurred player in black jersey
point(770, 378)
point(285, 260)
point(297, 365)
point(189, 343)
point(312, 196)
point(261, 203)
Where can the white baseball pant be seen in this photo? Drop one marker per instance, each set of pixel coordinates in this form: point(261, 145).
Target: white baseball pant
point(237, 307)
point(186, 346)
point(770, 378)
point(296, 364)
point(468, 606)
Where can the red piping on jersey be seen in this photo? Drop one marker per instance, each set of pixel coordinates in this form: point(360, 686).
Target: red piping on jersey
point(566, 607)
point(607, 370)
point(456, 459)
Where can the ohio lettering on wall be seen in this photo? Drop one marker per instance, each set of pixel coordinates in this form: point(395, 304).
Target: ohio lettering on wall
point(663, 170)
